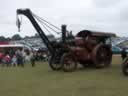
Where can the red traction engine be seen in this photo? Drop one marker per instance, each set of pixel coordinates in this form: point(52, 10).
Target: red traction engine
point(86, 48)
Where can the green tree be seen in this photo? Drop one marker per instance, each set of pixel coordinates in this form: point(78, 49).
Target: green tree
point(2, 38)
point(16, 37)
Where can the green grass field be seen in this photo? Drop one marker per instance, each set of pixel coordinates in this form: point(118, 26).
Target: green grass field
point(42, 81)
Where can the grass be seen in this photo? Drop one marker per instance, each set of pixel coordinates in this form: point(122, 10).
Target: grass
point(42, 81)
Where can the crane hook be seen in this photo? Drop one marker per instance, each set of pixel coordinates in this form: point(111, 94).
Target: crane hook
point(18, 22)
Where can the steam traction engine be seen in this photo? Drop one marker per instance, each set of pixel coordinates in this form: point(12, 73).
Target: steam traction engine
point(86, 48)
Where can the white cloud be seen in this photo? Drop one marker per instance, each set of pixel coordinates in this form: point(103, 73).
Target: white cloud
point(102, 15)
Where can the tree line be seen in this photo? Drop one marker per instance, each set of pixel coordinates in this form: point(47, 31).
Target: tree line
point(16, 37)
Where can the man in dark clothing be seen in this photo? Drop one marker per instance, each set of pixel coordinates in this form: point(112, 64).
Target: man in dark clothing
point(19, 55)
point(32, 59)
point(123, 53)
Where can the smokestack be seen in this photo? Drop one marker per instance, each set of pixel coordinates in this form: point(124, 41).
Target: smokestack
point(63, 29)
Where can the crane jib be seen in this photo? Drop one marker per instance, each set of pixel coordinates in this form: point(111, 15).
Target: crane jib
point(45, 39)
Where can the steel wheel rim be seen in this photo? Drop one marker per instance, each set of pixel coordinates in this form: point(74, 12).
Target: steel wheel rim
point(69, 63)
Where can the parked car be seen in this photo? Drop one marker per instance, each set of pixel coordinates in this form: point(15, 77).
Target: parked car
point(116, 50)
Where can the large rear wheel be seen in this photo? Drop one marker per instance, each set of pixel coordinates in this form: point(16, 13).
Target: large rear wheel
point(102, 56)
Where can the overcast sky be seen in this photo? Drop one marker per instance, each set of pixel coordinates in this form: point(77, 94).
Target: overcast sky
point(99, 15)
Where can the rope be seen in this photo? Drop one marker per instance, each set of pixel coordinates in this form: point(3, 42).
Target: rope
point(41, 19)
point(42, 23)
point(46, 28)
point(47, 22)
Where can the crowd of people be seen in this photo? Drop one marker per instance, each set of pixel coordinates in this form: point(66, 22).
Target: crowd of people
point(20, 57)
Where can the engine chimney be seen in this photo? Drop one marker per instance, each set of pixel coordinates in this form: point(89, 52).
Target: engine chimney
point(63, 28)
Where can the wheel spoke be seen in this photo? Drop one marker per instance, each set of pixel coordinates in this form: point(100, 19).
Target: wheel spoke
point(54, 64)
point(102, 56)
point(69, 64)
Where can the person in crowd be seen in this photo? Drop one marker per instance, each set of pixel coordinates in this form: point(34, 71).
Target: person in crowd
point(32, 58)
point(19, 56)
point(24, 56)
point(1, 57)
point(7, 59)
point(123, 53)
point(11, 53)
point(27, 56)
point(14, 60)
point(44, 57)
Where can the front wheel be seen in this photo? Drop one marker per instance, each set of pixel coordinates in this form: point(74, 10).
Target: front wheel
point(69, 63)
point(54, 63)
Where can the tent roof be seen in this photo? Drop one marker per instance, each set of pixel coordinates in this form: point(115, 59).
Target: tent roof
point(11, 45)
